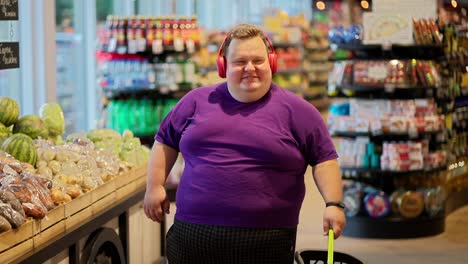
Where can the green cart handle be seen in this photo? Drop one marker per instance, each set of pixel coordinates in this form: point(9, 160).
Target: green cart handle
point(331, 239)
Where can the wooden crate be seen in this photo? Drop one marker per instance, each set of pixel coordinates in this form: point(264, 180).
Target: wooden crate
point(141, 171)
point(78, 204)
point(126, 190)
point(103, 203)
point(49, 233)
point(52, 217)
point(78, 218)
point(17, 251)
point(12, 237)
point(121, 180)
point(141, 182)
point(102, 190)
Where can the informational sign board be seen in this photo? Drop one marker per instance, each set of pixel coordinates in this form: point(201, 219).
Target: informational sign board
point(419, 8)
point(9, 9)
point(391, 21)
point(9, 55)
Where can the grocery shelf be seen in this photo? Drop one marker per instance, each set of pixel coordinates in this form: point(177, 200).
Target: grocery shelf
point(392, 51)
point(386, 136)
point(115, 93)
point(393, 227)
point(378, 172)
point(384, 92)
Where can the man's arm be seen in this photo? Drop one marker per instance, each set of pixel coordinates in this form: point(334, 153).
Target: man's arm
point(161, 161)
point(327, 177)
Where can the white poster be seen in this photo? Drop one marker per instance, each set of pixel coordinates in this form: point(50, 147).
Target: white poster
point(418, 8)
point(387, 28)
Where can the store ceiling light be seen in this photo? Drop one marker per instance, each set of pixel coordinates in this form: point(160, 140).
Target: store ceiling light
point(320, 5)
point(454, 3)
point(365, 4)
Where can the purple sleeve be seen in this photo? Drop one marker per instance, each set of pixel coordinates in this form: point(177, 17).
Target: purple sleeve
point(315, 139)
point(171, 128)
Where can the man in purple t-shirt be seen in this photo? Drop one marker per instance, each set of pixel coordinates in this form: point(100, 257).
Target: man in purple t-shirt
point(246, 145)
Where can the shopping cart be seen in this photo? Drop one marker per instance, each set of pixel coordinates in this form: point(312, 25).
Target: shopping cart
point(310, 256)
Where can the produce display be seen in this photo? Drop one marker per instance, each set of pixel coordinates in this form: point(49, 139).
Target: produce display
point(40, 171)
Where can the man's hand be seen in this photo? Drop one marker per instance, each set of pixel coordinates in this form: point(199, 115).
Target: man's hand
point(155, 203)
point(334, 218)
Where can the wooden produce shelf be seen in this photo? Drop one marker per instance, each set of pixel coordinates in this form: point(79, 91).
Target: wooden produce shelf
point(17, 251)
point(78, 204)
point(15, 236)
point(67, 222)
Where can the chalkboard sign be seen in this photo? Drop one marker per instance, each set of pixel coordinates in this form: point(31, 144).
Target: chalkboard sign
point(9, 9)
point(9, 55)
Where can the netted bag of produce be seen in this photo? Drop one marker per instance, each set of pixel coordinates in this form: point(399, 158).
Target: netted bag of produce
point(62, 193)
point(14, 218)
point(40, 187)
point(26, 194)
point(8, 197)
point(108, 163)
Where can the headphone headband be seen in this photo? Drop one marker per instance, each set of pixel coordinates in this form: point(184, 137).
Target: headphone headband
point(228, 36)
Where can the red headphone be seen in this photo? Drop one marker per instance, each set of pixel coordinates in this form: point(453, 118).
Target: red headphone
point(221, 60)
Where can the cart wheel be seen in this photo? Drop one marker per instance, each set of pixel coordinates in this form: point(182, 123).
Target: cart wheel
point(103, 246)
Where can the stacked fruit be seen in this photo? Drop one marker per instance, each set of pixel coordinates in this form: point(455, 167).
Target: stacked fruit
point(39, 171)
point(17, 134)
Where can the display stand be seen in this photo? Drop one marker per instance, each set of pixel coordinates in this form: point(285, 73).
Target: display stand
point(393, 225)
point(36, 241)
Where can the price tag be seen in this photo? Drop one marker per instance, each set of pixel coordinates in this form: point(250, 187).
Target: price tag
point(178, 44)
point(157, 46)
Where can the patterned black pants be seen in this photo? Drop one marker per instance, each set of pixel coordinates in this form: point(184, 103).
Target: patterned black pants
point(204, 244)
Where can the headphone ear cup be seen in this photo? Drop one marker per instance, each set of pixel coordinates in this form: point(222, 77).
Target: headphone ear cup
point(273, 60)
point(221, 65)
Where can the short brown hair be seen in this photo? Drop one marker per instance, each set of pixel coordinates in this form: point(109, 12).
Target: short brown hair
point(244, 31)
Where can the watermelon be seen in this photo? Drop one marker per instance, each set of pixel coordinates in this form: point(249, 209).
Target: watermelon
point(4, 133)
point(52, 115)
point(9, 111)
point(21, 147)
point(31, 125)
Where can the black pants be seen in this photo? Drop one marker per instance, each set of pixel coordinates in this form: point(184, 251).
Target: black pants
point(192, 243)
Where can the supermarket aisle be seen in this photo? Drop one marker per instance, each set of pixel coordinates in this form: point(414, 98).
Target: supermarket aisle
point(449, 247)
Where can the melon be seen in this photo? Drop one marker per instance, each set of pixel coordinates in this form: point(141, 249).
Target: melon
point(52, 114)
point(21, 147)
point(31, 125)
point(4, 133)
point(9, 111)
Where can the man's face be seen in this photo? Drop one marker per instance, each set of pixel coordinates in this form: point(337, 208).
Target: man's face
point(248, 70)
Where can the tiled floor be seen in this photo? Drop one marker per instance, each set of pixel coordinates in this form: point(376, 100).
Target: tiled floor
point(451, 247)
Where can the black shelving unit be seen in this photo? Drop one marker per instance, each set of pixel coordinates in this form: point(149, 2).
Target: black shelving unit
point(394, 51)
point(391, 226)
point(384, 92)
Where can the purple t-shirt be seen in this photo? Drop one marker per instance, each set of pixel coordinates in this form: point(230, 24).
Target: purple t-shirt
point(244, 162)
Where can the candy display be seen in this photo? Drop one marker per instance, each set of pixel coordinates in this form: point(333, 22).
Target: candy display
point(377, 204)
point(378, 73)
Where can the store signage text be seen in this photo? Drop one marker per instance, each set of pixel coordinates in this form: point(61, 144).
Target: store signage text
point(8, 9)
point(9, 55)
